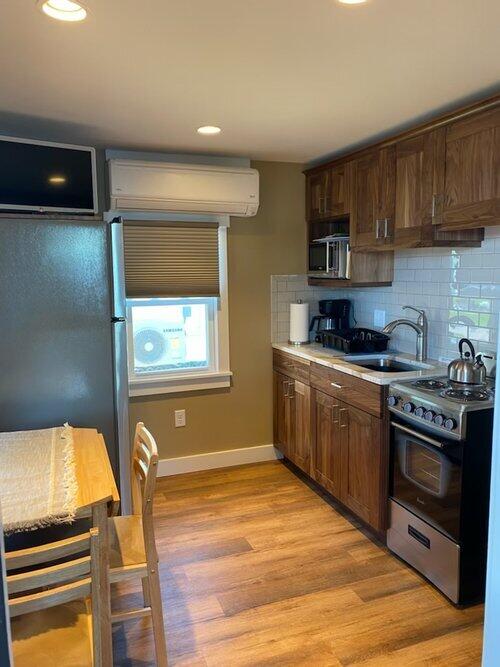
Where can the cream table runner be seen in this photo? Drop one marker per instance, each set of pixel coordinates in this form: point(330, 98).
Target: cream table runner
point(37, 478)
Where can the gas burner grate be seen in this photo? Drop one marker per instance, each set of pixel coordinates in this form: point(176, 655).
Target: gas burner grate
point(432, 385)
point(465, 396)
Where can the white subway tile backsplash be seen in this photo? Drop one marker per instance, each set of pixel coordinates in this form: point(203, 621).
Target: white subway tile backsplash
point(459, 289)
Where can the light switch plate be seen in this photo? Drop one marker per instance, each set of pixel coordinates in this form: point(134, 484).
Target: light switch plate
point(379, 318)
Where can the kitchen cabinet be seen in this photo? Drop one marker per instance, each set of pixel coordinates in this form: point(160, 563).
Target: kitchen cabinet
point(435, 185)
point(334, 428)
point(372, 215)
point(327, 443)
point(328, 193)
point(362, 465)
point(292, 420)
point(472, 171)
point(420, 173)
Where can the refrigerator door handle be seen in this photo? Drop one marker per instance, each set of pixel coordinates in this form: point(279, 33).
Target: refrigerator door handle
point(121, 408)
point(117, 269)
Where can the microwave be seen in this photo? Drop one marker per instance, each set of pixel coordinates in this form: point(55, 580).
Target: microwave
point(329, 258)
point(320, 257)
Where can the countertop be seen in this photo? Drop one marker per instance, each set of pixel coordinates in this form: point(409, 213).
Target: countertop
point(345, 363)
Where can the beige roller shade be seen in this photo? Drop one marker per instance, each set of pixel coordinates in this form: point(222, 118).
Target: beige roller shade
point(171, 259)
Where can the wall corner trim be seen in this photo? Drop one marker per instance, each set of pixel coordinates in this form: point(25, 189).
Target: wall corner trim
point(211, 460)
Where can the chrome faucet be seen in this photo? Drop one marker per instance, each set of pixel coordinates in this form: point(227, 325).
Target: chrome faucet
point(420, 326)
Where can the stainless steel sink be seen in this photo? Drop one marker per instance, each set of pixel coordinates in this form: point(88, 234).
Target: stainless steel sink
point(384, 365)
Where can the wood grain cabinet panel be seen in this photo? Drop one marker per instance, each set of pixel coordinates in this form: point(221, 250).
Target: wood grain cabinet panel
point(327, 443)
point(327, 193)
point(316, 189)
point(292, 420)
point(372, 217)
point(361, 447)
point(300, 400)
point(472, 178)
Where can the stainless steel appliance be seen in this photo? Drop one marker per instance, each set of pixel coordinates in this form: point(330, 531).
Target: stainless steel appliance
point(329, 257)
point(63, 331)
point(441, 439)
point(468, 369)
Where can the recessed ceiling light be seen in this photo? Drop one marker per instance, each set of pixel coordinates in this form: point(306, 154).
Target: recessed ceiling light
point(352, 2)
point(209, 129)
point(63, 10)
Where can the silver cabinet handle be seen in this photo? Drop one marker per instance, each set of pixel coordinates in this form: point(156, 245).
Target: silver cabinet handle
point(433, 213)
point(386, 228)
point(346, 423)
point(337, 386)
point(377, 229)
point(291, 389)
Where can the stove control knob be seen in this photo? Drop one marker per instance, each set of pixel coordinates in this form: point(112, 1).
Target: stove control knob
point(408, 407)
point(392, 401)
point(450, 424)
point(420, 411)
point(439, 420)
point(429, 415)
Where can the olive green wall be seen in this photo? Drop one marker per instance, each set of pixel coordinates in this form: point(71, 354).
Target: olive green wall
point(273, 242)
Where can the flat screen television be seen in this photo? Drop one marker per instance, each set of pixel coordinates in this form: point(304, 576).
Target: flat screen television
point(44, 177)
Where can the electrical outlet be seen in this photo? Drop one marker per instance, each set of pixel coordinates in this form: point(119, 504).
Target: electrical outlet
point(180, 418)
point(379, 318)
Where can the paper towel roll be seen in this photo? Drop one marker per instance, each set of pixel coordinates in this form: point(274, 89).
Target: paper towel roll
point(299, 322)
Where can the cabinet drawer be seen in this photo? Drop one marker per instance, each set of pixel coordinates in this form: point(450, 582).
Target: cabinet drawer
point(360, 393)
point(291, 366)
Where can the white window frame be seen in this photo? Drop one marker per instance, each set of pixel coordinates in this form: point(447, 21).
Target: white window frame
point(219, 374)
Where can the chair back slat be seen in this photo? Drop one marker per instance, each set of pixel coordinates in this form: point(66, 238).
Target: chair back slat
point(47, 552)
point(50, 598)
point(144, 470)
point(48, 576)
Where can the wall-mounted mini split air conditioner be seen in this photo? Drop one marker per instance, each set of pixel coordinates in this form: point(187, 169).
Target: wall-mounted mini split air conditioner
point(162, 186)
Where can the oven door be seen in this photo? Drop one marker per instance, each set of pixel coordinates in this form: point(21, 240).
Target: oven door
point(426, 477)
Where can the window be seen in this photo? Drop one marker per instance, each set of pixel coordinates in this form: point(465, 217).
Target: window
point(175, 343)
point(171, 335)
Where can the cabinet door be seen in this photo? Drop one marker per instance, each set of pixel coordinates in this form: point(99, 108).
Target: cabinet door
point(472, 176)
point(281, 412)
point(316, 195)
point(327, 450)
point(300, 425)
point(373, 201)
point(419, 181)
point(337, 191)
point(361, 464)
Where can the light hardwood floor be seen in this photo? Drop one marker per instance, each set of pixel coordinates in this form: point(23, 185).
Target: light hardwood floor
point(258, 569)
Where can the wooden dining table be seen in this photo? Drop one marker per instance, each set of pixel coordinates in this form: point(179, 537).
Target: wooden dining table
point(96, 497)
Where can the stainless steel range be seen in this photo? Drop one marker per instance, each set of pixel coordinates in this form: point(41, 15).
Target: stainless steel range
point(441, 437)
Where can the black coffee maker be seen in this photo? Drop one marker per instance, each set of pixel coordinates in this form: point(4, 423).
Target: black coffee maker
point(334, 314)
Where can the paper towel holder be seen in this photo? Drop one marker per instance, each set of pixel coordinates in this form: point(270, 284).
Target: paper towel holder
point(298, 343)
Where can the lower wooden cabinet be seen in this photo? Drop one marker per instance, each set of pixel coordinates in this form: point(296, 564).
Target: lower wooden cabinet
point(292, 420)
point(326, 469)
point(362, 465)
point(341, 446)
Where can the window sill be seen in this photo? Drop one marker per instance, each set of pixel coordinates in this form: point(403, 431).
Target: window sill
point(180, 383)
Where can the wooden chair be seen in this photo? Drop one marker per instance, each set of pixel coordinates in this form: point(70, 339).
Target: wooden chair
point(55, 607)
point(132, 548)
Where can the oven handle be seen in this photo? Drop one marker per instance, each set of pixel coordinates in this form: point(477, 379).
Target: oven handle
point(421, 436)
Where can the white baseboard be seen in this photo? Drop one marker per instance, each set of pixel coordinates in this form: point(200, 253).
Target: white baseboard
point(225, 459)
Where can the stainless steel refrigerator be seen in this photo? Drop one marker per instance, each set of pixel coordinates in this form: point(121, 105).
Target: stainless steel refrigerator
point(63, 343)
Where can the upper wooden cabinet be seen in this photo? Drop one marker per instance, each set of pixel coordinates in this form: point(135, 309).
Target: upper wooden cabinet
point(472, 175)
point(437, 185)
point(372, 211)
point(328, 193)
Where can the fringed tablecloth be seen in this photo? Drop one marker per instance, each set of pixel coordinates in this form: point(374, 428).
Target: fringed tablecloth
point(37, 478)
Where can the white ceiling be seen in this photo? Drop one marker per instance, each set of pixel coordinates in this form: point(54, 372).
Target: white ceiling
point(285, 79)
